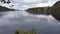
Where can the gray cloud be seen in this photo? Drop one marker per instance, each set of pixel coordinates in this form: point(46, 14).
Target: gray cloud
point(33, 1)
point(24, 4)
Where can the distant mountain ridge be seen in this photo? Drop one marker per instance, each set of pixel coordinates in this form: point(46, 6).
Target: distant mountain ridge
point(5, 9)
point(54, 10)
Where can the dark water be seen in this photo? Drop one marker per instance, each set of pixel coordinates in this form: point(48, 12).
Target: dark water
point(21, 20)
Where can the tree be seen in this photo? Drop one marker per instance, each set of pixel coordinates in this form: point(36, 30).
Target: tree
point(34, 31)
point(26, 32)
point(17, 32)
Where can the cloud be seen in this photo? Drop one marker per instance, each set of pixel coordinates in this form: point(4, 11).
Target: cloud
point(25, 4)
point(33, 1)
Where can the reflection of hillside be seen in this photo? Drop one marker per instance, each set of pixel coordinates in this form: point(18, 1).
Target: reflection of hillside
point(54, 10)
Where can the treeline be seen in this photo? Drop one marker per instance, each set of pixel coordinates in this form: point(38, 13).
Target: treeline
point(54, 10)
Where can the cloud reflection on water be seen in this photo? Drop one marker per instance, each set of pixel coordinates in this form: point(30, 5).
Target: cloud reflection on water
point(22, 20)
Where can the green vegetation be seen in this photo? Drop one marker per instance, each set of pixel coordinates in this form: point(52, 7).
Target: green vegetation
point(26, 32)
point(17, 32)
point(54, 10)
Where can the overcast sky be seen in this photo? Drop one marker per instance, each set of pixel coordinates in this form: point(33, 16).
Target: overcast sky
point(33, 3)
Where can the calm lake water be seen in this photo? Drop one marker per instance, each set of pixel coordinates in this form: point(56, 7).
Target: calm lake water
point(21, 20)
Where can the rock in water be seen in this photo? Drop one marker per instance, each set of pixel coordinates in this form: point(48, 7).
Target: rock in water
point(54, 10)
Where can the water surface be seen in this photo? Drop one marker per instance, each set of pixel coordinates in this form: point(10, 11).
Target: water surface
point(21, 20)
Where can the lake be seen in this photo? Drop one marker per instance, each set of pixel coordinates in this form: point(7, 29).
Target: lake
point(21, 20)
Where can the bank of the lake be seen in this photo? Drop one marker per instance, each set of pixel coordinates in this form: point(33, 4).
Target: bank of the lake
point(54, 10)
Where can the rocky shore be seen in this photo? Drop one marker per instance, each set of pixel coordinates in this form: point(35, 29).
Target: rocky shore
point(54, 10)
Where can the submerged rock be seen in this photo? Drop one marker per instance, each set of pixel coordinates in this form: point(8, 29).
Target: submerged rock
point(54, 10)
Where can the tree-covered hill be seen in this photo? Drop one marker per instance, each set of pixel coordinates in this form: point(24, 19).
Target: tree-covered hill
point(54, 10)
point(2, 9)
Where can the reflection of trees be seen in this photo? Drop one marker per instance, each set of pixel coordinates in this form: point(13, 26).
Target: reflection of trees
point(54, 10)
